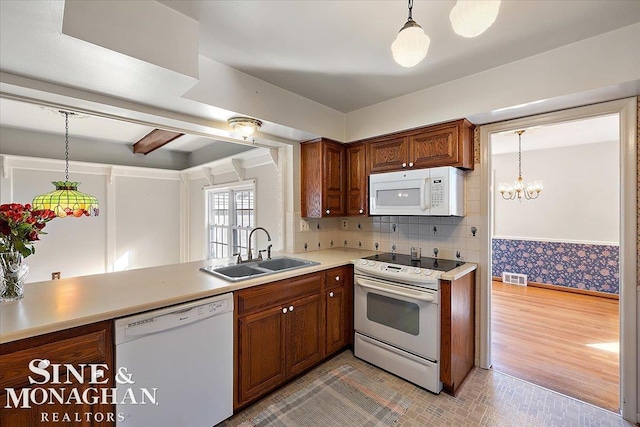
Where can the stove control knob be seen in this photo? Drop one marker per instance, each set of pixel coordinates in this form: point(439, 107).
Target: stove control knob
point(427, 272)
point(372, 263)
point(363, 262)
point(416, 271)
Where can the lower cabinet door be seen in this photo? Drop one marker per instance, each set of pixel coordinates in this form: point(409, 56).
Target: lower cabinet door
point(337, 327)
point(303, 332)
point(262, 346)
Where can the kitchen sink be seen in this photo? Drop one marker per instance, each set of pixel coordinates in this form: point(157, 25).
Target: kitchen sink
point(284, 263)
point(250, 270)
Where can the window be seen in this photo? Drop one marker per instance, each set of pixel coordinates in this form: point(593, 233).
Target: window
point(231, 218)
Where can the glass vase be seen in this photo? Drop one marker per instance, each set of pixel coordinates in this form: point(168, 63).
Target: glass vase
point(13, 272)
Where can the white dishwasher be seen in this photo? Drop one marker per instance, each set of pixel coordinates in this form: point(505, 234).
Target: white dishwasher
point(185, 352)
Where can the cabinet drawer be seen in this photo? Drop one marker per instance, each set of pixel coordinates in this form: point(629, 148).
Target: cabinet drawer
point(337, 277)
point(281, 292)
point(62, 348)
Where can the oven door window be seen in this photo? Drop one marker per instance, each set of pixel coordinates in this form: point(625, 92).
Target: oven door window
point(397, 314)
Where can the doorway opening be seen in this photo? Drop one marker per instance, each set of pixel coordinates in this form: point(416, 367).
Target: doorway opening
point(555, 258)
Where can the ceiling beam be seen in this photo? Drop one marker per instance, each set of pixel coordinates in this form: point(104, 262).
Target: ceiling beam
point(154, 140)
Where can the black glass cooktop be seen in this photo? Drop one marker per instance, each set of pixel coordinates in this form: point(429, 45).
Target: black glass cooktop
point(430, 263)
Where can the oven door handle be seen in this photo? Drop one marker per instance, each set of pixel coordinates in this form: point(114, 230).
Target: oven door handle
point(407, 293)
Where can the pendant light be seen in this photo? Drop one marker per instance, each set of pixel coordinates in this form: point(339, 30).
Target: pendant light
point(412, 44)
point(517, 189)
point(66, 200)
point(470, 18)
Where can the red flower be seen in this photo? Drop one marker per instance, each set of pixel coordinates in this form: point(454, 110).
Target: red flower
point(20, 226)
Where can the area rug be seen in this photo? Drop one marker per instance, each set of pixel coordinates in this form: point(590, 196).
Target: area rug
point(342, 397)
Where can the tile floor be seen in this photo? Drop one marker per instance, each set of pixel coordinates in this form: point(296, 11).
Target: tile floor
point(488, 398)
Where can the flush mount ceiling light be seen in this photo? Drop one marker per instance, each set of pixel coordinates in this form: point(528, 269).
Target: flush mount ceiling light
point(412, 44)
point(470, 18)
point(517, 189)
point(245, 126)
point(66, 200)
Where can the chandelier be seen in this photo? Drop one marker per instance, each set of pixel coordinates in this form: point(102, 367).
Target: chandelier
point(245, 126)
point(517, 189)
point(66, 200)
point(412, 44)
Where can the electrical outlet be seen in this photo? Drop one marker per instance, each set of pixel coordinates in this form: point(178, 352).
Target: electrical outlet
point(345, 224)
point(304, 225)
point(55, 275)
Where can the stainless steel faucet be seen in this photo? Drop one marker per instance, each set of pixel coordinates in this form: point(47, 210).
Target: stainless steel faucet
point(250, 254)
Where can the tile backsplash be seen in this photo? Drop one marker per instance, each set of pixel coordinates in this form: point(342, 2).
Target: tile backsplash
point(450, 235)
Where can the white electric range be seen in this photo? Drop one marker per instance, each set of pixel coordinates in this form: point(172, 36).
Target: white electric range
point(397, 315)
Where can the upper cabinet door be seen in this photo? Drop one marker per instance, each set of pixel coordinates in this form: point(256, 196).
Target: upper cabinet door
point(356, 179)
point(388, 155)
point(447, 144)
point(432, 148)
point(322, 179)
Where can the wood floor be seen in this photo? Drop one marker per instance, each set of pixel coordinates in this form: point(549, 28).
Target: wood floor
point(543, 336)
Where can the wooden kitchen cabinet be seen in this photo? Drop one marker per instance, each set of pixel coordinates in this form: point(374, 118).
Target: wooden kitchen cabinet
point(388, 154)
point(90, 344)
point(279, 333)
point(457, 337)
point(357, 200)
point(322, 178)
point(445, 144)
point(338, 290)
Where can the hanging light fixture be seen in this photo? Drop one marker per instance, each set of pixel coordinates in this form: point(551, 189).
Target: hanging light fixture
point(245, 126)
point(470, 18)
point(517, 189)
point(66, 200)
point(412, 44)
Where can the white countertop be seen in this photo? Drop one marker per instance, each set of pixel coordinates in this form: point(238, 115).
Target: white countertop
point(61, 304)
point(458, 272)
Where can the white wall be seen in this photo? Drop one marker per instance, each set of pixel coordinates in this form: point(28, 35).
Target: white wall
point(72, 246)
point(605, 61)
point(147, 231)
point(580, 200)
point(139, 215)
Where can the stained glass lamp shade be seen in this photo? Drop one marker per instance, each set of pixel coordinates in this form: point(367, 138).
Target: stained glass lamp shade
point(66, 200)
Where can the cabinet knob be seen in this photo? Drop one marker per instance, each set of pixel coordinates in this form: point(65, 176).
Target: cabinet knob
point(361, 211)
point(284, 310)
point(337, 278)
point(328, 211)
point(404, 165)
point(290, 308)
point(330, 294)
point(410, 164)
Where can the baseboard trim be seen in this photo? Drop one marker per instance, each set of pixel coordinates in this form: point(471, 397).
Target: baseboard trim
point(566, 289)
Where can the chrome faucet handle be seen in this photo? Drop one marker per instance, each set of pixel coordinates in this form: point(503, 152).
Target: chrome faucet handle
point(269, 251)
point(260, 254)
point(239, 259)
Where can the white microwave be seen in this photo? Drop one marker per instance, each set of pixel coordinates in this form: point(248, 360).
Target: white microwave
point(424, 192)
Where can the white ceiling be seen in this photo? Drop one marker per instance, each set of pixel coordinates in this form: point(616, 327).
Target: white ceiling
point(23, 115)
point(578, 132)
point(334, 52)
point(338, 52)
